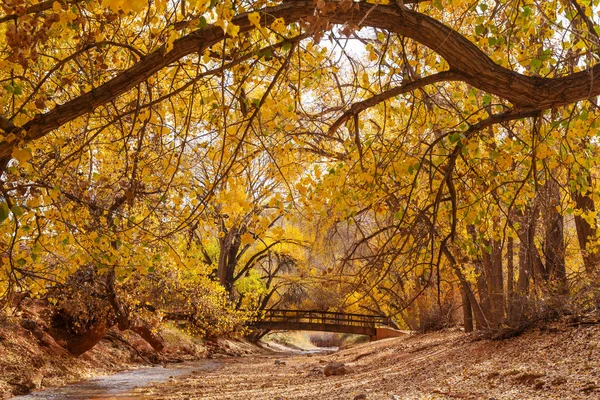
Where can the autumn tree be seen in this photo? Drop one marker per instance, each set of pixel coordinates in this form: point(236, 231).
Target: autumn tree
point(456, 139)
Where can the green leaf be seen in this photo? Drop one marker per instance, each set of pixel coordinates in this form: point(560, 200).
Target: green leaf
point(455, 137)
point(413, 168)
point(480, 29)
point(536, 63)
point(487, 99)
point(3, 211)
point(286, 46)
point(17, 210)
point(546, 54)
point(202, 22)
point(266, 53)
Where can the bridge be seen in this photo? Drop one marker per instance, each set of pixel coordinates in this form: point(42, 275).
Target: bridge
point(375, 326)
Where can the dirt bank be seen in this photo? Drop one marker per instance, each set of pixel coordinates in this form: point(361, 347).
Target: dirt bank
point(28, 362)
point(555, 362)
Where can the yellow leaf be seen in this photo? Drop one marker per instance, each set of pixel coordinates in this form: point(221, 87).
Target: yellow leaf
point(247, 238)
point(254, 19)
point(277, 232)
point(170, 40)
point(233, 29)
point(278, 25)
point(22, 155)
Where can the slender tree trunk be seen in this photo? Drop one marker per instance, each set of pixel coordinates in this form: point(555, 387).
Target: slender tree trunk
point(586, 232)
point(526, 233)
point(480, 319)
point(510, 279)
point(483, 291)
point(484, 282)
point(467, 311)
point(232, 261)
point(526, 250)
point(224, 244)
point(554, 243)
point(497, 280)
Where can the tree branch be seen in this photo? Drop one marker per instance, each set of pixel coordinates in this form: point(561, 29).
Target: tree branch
point(356, 108)
point(464, 57)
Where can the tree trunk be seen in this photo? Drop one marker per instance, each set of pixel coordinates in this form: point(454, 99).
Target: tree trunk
point(124, 319)
point(232, 263)
point(467, 311)
point(480, 319)
point(491, 256)
point(222, 265)
point(81, 343)
point(586, 233)
point(497, 281)
point(145, 330)
point(510, 280)
point(554, 243)
point(526, 233)
point(229, 246)
point(484, 283)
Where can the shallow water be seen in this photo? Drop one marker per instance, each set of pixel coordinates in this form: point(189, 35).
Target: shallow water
point(122, 384)
point(320, 350)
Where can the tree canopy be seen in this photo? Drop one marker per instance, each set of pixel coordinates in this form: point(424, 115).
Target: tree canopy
point(395, 157)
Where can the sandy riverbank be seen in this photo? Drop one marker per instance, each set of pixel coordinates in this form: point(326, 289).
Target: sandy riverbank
point(555, 362)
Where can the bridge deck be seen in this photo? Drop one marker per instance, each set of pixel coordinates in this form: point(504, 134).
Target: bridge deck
point(321, 321)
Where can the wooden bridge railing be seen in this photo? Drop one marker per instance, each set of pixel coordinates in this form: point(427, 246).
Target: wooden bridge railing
point(324, 318)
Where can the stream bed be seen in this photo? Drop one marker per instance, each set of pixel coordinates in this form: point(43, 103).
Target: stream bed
point(121, 385)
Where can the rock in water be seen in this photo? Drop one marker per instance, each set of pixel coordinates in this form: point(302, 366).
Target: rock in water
point(337, 368)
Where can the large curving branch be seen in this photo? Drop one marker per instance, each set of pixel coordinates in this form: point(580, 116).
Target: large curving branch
point(464, 57)
point(356, 108)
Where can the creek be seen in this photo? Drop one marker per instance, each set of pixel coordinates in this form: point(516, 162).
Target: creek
point(121, 385)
